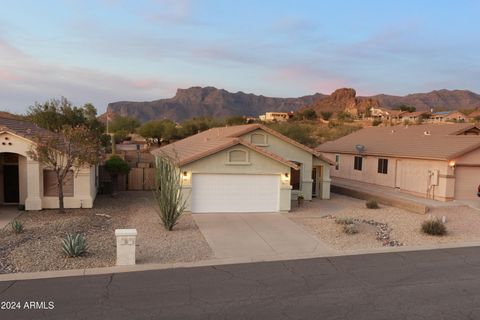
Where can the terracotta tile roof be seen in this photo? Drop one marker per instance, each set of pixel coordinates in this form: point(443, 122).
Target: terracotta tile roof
point(22, 128)
point(428, 141)
point(217, 139)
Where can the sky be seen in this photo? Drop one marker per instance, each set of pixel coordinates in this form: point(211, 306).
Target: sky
point(112, 50)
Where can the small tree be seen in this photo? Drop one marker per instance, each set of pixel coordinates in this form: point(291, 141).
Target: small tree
point(168, 191)
point(71, 148)
point(326, 115)
point(115, 166)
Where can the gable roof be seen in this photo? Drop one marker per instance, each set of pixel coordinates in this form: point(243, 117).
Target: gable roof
point(429, 141)
point(214, 140)
point(22, 128)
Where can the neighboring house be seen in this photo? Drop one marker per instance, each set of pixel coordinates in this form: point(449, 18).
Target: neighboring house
point(437, 161)
point(276, 116)
point(474, 116)
point(414, 116)
point(25, 182)
point(386, 114)
point(247, 168)
point(448, 116)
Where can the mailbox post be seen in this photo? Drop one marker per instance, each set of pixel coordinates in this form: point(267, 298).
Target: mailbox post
point(126, 241)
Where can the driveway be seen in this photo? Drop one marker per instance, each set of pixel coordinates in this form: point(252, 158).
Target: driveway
point(257, 235)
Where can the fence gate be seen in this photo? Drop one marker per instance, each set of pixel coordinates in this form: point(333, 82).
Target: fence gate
point(141, 179)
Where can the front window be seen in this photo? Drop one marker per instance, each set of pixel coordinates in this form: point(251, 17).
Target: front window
point(358, 163)
point(383, 166)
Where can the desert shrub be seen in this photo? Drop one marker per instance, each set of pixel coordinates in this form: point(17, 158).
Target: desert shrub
point(74, 245)
point(326, 115)
point(344, 220)
point(17, 226)
point(376, 122)
point(371, 204)
point(350, 228)
point(168, 191)
point(434, 227)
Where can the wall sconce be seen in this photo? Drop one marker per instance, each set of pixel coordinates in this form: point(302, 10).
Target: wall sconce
point(452, 164)
point(285, 178)
point(286, 175)
point(185, 175)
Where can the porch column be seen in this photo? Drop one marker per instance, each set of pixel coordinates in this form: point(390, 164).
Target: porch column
point(33, 200)
point(324, 182)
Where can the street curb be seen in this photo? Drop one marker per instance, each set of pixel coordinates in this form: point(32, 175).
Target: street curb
point(216, 262)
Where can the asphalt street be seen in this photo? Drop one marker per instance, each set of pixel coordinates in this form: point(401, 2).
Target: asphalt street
point(436, 284)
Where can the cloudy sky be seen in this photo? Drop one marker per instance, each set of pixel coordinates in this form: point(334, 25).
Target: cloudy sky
point(111, 50)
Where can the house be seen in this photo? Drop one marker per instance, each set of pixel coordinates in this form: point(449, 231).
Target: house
point(448, 116)
point(27, 183)
point(386, 114)
point(437, 161)
point(247, 168)
point(414, 116)
point(475, 115)
point(276, 116)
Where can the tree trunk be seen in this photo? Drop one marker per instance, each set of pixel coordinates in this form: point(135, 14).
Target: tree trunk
point(60, 196)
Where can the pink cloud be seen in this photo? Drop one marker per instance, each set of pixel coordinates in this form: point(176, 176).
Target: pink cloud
point(6, 75)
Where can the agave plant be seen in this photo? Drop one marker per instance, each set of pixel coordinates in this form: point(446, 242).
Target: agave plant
point(17, 226)
point(74, 245)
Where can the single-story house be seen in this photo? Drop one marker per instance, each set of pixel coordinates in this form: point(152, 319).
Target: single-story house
point(437, 161)
point(247, 168)
point(448, 116)
point(26, 182)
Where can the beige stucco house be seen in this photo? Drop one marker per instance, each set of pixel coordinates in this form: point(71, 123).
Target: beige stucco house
point(247, 168)
point(26, 182)
point(437, 161)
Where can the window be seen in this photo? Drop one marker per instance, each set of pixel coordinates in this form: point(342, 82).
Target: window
point(50, 185)
point(337, 161)
point(237, 156)
point(358, 163)
point(295, 177)
point(383, 166)
point(258, 138)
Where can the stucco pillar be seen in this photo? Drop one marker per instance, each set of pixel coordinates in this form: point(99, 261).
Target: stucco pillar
point(33, 200)
point(325, 183)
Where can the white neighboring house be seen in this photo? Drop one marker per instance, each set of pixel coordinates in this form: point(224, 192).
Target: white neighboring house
point(275, 116)
point(26, 182)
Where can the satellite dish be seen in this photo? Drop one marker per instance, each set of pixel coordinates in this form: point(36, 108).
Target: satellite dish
point(360, 148)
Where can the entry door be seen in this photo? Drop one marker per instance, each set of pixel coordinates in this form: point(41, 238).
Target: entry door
point(10, 184)
point(314, 184)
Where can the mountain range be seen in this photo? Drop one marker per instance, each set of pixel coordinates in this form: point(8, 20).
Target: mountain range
point(213, 102)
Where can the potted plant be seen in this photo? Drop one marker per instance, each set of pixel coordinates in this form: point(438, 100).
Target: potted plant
point(300, 199)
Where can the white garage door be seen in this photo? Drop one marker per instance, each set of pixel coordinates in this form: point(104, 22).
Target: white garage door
point(467, 180)
point(235, 193)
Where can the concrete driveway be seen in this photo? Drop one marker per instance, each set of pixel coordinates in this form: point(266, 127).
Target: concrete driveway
point(257, 235)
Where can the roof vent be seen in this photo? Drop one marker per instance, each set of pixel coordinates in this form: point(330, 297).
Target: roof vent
point(360, 148)
point(427, 133)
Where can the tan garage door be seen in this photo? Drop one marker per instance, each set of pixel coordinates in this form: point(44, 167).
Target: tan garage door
point(467, 180)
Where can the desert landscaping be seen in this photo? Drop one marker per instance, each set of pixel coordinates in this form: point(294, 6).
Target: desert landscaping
point(319, 218)
point(38, 247)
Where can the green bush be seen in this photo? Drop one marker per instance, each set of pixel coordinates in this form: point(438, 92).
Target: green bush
point(74, 245)
point(350, 228)
point(371, 204)
point(17, 226)
point(344, 220)
point(434, 227)
point(116, 165)
point(376, 122)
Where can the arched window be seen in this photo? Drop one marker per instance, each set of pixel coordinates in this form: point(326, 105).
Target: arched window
point(237, 156)
point(258, 138)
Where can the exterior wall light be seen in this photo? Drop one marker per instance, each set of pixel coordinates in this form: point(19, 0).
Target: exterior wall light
point(452, 164)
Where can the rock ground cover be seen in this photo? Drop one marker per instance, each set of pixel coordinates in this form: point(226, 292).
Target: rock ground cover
point(405, 227)
point(38, 248)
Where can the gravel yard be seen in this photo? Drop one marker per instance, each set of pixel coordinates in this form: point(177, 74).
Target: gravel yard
point(462, 223)
point(38, 248)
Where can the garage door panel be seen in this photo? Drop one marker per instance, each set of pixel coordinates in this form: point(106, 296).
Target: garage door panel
point(467, 180)
point(235, 193)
